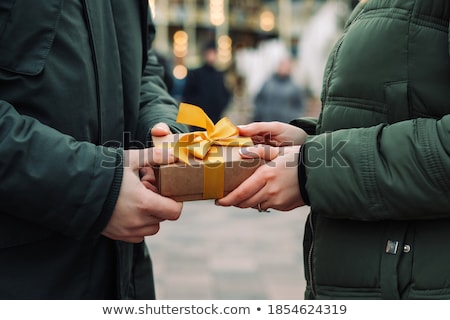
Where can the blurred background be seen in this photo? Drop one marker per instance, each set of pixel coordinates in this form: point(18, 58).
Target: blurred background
point(252, 36)
point(228, 253)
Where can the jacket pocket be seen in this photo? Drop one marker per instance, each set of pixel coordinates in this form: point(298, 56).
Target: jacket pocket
point(27, 31)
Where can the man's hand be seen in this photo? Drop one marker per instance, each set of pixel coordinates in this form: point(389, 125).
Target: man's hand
point(139, 209)
point(160, 129)
point(147, 174)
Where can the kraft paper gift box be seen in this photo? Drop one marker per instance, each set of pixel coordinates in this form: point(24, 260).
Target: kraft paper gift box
point(209, 165)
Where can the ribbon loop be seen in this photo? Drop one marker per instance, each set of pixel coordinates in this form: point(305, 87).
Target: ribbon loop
point(194, 116)
point(199, 143)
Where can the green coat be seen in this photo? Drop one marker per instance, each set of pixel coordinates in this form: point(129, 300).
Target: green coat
point(77, 85)
point(378, 166)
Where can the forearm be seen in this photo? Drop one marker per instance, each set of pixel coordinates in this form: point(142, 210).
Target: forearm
point(52, 180)
point(401, 171)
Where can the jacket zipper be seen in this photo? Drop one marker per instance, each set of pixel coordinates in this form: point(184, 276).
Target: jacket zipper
point(310, 253)
point(96, 72)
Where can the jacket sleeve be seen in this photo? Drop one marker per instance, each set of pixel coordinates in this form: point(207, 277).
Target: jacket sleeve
point(308, 124)
point(156, 104)
point(399, 171)
point(50, 180)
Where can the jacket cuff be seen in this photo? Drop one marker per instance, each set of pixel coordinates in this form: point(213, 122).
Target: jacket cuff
point(302, 176)
point(308, 124)
point(113, 195)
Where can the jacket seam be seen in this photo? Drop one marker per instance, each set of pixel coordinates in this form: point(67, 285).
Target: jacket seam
point(356, 103)
point(389, 13)
point(94, 51)
point(50, 41)
point(427, 23)
point(367, 155)
point(403, 14)
point(434, 163)
point(40, 62)
point(9, 17)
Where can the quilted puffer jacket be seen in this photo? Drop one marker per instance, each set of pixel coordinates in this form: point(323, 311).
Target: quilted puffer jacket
point(377, 167)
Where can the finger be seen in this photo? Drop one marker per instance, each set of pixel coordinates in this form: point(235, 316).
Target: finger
point(131, 239)
point(259, 129)
point(252, 200)
point(160, 129)
point(124, 237)
point(178, 209)
point(243, 192)
point(256, 202)
point(150, 186)
point(148, 178)
point(149, 230)
point(147, 174)
point(265, 152)
point(161, 156)
point(150, 156)
point(138, 235)
point(259, 140)
point(273, 133)
point(162, 207)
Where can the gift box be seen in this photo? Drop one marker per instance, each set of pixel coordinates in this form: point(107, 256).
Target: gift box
point(209, 165)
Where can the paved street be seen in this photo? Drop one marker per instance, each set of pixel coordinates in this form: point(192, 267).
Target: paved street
point(229, 253)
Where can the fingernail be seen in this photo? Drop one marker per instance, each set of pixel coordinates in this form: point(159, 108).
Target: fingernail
point(244, 151)
point(243, 126)
point(161, 128)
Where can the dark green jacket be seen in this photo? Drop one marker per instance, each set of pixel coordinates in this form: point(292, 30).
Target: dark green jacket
point(77, 85)
point(378, 168)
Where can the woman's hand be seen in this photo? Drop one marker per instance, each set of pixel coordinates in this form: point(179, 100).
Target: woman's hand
point(273, 133)
point(273, 185)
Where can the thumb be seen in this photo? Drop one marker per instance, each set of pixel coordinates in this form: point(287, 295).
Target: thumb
point(138, 158)
point(160, 129)
point(265, 152)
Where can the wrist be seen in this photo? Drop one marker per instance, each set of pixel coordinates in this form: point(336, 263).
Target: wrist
point(302, 178)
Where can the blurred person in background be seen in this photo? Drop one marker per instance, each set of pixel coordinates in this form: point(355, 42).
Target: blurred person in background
point(280, 98)
point(206, 87)
point(79, 92)
point(375, 166)
point(317, 38)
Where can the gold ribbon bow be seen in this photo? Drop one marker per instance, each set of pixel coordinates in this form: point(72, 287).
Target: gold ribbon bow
point(203, 145)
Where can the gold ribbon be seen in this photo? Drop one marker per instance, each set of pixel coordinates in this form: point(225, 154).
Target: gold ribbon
point(203, 145)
